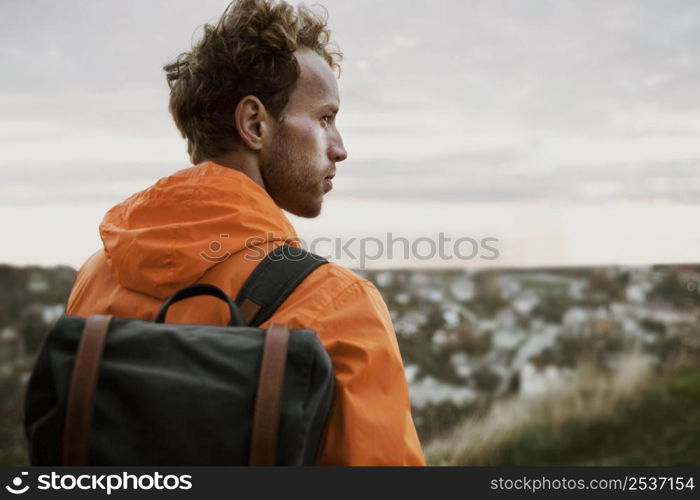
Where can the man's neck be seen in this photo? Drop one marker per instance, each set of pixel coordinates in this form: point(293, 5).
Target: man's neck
point(244, 163)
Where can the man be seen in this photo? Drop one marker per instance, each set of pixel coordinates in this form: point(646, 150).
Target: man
point(256, 100)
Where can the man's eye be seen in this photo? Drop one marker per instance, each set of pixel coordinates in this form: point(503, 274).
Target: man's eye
point(326, 119)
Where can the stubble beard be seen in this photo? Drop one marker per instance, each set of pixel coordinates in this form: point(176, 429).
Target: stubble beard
point(289, 179)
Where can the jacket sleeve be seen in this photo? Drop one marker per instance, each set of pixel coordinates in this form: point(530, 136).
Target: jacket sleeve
point(370, 423)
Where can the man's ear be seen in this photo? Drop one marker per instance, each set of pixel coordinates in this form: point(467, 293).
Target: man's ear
point(252, 122)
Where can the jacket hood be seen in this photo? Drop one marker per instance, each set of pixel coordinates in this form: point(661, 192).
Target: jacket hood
point(168, 236)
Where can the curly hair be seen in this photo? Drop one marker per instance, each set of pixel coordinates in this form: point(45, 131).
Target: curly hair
point(250, 51)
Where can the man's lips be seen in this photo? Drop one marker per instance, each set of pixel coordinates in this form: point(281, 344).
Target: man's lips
point(328, 183)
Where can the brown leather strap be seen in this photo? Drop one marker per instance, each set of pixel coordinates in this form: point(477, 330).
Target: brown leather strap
point(81, 393)
point(263, 447)
point(249, 309)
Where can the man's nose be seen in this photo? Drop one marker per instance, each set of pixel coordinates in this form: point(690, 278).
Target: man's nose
point(337, 151)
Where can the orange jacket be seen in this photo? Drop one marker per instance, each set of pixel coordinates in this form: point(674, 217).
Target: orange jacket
point(193, 227)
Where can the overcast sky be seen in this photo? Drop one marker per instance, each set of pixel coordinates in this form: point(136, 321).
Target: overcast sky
point(559, 102)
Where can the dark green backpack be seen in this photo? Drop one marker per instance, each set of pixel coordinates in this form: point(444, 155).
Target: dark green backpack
point(114, 391)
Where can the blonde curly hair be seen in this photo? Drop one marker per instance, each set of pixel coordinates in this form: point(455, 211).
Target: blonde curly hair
point(250, 51)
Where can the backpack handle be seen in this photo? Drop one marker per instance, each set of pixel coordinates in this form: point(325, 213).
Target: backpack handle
point(197, 290)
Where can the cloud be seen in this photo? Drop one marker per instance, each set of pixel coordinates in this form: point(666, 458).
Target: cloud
point(79, 183)
point(498, 176)
point(440, 99)
point(396, 42)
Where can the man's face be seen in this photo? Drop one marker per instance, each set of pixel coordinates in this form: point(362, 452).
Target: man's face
point(306, 145)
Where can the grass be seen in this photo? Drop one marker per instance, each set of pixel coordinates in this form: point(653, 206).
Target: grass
point(633, 417)
point(664, 429)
